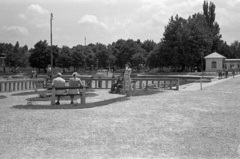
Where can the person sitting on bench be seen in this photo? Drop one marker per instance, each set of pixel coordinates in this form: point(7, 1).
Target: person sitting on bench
point(58, 82)
point(115, 88)
point(74, 82)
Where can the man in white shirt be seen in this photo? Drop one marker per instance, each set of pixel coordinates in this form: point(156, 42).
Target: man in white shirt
point(58, 82)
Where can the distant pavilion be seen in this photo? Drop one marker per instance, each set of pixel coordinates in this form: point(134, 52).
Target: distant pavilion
point(215, 62)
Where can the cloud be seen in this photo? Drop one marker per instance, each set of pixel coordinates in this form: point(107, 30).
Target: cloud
point(42, 26)
point(35, 8)
point(22, 16)
point(92, 20)
point(16, 30)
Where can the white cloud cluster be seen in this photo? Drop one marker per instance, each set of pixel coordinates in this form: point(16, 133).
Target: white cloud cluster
point(16, 30)
point(92, 20)
point(106, 21)
point(35, 8)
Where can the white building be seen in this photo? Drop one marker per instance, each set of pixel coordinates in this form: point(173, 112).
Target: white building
point(215, 62)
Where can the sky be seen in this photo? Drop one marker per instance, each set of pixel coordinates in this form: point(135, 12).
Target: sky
point(104, 21)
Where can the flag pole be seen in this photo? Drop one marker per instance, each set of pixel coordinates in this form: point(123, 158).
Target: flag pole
point(51, 18)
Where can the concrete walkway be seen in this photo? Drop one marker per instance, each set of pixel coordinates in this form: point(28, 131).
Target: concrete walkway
point(197, 85)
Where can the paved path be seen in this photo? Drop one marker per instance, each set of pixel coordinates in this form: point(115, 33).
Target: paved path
point(197, 85)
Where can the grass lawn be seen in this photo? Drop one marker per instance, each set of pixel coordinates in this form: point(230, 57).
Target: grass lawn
point(170, 124)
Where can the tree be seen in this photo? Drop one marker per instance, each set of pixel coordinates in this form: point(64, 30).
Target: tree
point(17, 56)
point(138, 59)
point(40, 56)
point(209, 13)
point(148, 45)
point(124, 51)
point(235, 48)
point(103, 55)
point(78, 57)
point(183, 42)
point(64, 59)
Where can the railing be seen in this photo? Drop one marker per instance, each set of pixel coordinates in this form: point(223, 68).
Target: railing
point(165, 83)
point(21, 84)
point(105, 83)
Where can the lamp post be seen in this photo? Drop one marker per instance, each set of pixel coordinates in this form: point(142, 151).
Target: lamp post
point(51, 18)
point(201, 68)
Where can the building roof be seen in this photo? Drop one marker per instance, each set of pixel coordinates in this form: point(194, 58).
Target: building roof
point(214, 55)
point(232, 60)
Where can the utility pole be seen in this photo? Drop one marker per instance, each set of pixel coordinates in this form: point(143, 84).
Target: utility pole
point(51, 18)
point(85, 41)
point(201, 68)
point(97, 64)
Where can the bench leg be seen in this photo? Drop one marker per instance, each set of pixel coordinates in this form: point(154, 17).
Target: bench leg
point(53, 97)
point(83, 97)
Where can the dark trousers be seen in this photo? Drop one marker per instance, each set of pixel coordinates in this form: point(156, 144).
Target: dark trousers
point(115, 88)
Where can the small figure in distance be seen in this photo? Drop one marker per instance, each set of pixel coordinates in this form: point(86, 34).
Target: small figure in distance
point(219, 74)
point(58, 82)
point(226, 73)
point(74, 82)
point(49, 72)
point(127, 78)
point(115, 88)
point(233, 71)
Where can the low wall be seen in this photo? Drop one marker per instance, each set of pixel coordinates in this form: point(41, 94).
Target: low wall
point(21, 84)
point(106, 83)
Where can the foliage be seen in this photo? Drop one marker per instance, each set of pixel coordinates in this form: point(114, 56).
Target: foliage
point(78, 56)
point(209, 13)
point(235, 48)
point(64, 59)
point(40, 56)
point(16, 56)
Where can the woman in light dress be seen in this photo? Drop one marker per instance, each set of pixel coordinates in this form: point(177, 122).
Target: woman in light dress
point(74, 82)
point(127, 78)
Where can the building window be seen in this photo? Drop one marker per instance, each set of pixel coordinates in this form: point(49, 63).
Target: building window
point(214, 64)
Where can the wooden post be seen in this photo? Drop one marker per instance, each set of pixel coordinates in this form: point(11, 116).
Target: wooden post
point(96, 84)
point(170, 83)
point(2, 87)
point(53, 96)
point(35, 86)
point(106, 83)
point(11, 86)
point(16, 86)
point(7, 86)
point(164, 85)
point(158, 84)
point(27, 84)
point(83, 97)
point(140, 84)
point(177, 84)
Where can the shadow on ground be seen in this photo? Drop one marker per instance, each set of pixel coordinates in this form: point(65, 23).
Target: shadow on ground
point(87, 105)
point(33, 92)
point(2, 97)
point(72, 106)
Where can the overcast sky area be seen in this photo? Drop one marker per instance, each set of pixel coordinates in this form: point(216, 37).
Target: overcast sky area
point(104, 21)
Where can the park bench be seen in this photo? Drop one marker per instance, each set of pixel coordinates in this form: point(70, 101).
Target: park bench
point(53, 95)
point(82, 94)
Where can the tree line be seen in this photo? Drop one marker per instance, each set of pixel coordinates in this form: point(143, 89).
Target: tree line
point(184, 43)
